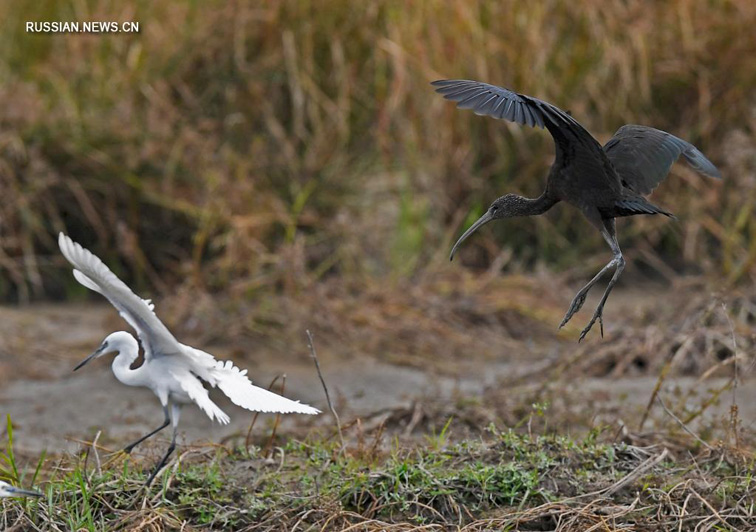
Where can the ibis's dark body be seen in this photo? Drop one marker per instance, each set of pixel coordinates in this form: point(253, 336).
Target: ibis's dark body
point(604, 182)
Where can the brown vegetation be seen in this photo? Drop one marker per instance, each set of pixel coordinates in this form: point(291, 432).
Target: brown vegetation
point(260, 147)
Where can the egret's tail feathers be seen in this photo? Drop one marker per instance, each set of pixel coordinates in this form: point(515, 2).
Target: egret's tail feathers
point(235, 384)
point(197, 393)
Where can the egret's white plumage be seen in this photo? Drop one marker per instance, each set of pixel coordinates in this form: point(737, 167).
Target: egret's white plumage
point(6, 490)
point(173, 371)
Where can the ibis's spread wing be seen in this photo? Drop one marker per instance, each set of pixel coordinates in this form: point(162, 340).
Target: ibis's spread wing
point(577, 152)
point(498, 102)
point(643, 156)
point(90, 271)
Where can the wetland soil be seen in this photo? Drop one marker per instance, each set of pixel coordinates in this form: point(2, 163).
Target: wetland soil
point(56, 409)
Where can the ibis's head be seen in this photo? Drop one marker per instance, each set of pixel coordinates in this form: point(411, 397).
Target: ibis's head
point(115, 342)
point(507, 206)
point(6, 490)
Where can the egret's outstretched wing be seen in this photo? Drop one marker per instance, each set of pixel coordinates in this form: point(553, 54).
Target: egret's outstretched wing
point(198, 393)
point(236, 385)
point(643, 156)
point(90, 271)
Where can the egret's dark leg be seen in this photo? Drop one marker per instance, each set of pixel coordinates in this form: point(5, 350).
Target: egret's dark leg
point(175, 412)
point(609, 233)
point(167, 422)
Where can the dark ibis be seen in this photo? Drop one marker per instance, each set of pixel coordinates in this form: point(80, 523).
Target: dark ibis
point(604, 182)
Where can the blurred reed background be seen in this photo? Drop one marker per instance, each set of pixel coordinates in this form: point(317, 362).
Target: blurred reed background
point(264, 147)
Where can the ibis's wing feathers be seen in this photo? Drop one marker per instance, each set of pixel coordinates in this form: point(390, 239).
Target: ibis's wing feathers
point(91, 272)
point(573, 141)
point(498, 102)
point(643, 156)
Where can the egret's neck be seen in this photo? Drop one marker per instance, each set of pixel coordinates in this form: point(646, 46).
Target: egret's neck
point(127, 354)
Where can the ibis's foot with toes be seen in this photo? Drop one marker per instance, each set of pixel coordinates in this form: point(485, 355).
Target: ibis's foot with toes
point(576, 305)
point(596, 316)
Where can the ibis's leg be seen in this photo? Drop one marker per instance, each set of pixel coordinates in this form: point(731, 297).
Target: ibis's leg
point(618, 262)
point(167, 422)
point(175, 412)
point(579, 298)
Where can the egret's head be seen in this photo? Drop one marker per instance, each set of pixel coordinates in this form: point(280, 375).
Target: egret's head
point(115, 342)
point(6, 490)
point(507, 206)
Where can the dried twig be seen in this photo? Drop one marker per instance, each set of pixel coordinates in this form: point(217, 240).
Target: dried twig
point(314, 355)
point(637, 472)
point(735, 376)
point(97, 455)
point(662, 376)
point(257, 414)
point(683, 425)
point(269, 445)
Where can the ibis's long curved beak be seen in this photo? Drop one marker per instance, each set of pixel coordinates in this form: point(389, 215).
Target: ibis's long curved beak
point(20, 492)
point(89, 358)
point(483, 220)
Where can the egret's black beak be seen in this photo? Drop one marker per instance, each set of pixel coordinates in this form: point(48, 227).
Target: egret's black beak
point(90, 357)
point(20, 492)
point(483, 220)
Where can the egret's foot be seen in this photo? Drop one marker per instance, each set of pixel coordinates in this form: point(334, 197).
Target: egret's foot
point(161, 464)
point(153, 475)
point(115, 457)
point(128, 449)
point(596, 316)
point(158, 469)
point(576, 305)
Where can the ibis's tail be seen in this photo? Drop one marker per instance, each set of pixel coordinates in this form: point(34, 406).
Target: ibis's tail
point(637, 205)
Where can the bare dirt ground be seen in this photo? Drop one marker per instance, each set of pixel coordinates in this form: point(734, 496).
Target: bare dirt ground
point(606, 380)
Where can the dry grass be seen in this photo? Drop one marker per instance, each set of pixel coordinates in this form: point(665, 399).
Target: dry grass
point(500, 481)
point(265, 147)
point(705, 333)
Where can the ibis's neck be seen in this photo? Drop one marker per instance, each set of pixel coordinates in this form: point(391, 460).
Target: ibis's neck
point(521, 206)
point(122, 367)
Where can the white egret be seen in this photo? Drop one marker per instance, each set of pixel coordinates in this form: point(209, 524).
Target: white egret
point(173, 371)
point(6, 490)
